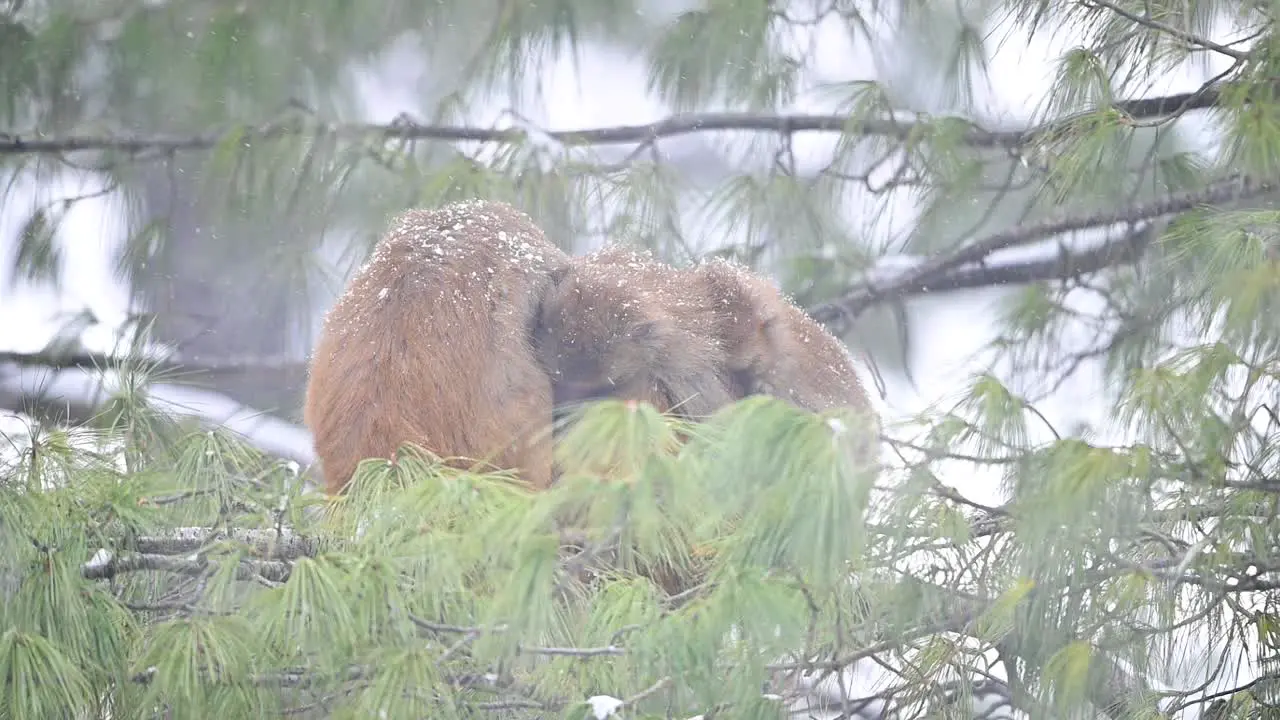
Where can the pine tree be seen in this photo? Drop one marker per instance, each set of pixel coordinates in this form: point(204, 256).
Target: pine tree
point(153, 564)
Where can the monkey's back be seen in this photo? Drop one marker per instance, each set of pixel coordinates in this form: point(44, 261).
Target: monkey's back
point(698, 314)
point(693, 319)
point(429, 343)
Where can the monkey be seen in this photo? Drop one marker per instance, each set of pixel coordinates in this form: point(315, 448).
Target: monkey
point(775, 348)
point(430, 342)
point(618, 323)
point(772, 347)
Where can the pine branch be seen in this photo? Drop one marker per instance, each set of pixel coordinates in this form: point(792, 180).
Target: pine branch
point(75, 395)
point(673, 126)
point(85, 360)
point(168, 554)
point(1189, 38)
point(941, 270)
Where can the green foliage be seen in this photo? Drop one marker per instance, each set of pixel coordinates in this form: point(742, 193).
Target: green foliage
point(436, 591)
point(38, 253)
point(422, 575)
point(723, 52)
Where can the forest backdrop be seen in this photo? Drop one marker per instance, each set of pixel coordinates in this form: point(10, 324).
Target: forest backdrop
point(1049, 225)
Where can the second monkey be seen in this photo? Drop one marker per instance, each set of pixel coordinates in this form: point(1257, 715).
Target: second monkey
point(618, 323)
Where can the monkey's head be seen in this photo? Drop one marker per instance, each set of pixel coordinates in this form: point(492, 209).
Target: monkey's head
point(599, 335)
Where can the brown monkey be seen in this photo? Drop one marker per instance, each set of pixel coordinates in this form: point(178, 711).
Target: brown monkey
point(619, 323)
point(774, 348)
point(430, 343)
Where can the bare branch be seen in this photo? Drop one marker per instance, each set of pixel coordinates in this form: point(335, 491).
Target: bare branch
point(923, 277)
point(1064, 265)
point(84, 360)
point(676, 125)
point(75, 395)
point(269, 570)
point(284, 544)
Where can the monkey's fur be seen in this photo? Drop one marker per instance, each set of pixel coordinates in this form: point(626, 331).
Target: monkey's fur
point(619, 323)
point(430, 343)
point(774, 348)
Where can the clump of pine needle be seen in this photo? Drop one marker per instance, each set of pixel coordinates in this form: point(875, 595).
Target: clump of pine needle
point(623, 480)
point(655, 521)
point(615, 439)
point(797, 483)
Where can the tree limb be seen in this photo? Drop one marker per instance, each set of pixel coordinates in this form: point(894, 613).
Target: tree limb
point(923, 277)
point(672, 126)
point(1189, 38)
point(76, 395)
